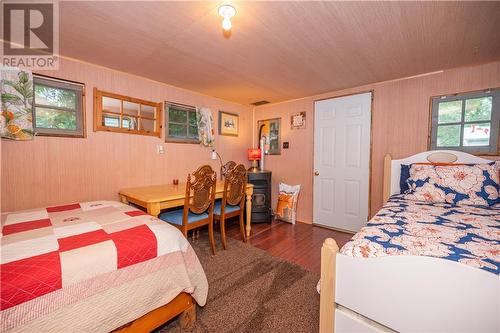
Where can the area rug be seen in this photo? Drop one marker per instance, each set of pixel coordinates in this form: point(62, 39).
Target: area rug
point(252, 291)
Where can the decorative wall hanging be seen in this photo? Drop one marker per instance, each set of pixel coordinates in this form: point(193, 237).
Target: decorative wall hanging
point(270, 131)
point(16, 119)
point(205, 126)
point(228, 123)
point(298, 120)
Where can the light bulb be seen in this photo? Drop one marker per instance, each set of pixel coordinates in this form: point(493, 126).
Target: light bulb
point(227, 11)
point(226, 24)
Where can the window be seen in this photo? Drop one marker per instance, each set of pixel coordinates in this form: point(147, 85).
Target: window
point(123, 114)
point(181, 123)
point(468, 122)
point(58, 107)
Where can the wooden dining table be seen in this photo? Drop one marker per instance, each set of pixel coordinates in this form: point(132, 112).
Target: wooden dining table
point(154, 198)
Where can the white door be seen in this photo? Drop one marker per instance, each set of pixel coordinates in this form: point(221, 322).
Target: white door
point(342, 161)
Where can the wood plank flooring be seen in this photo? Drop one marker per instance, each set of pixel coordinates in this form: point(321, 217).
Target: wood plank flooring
point(300, 243)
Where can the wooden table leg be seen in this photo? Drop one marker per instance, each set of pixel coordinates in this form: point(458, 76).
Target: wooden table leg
point(153, 208)
point(249, 194)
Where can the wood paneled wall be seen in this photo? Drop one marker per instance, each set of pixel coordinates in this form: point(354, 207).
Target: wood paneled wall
point(400, 126)
point(50, 170)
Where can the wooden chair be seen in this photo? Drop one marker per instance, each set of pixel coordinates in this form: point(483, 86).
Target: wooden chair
point(198, 205)
point(226, 168)
point(233, 201)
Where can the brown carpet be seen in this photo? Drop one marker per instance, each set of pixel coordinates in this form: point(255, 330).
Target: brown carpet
point(252, 291)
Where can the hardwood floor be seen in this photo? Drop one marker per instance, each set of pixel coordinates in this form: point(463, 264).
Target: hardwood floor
point(300, 243)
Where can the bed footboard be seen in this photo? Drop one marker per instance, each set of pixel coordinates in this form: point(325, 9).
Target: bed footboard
point(417, 294)
point(329, 252)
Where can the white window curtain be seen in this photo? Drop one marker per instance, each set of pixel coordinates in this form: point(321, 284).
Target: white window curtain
point(205, 121)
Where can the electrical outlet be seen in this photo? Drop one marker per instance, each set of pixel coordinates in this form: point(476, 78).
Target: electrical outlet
point(286, 145)
point(160, 149)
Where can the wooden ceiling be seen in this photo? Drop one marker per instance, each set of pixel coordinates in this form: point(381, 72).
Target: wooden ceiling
point(279, 50)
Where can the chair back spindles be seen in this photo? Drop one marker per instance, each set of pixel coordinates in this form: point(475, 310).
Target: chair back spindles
point(234, 185)
point(234, 195)
point(200, 192)
point(227, 168)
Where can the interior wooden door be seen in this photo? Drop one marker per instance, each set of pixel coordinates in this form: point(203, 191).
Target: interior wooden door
point(342, 161)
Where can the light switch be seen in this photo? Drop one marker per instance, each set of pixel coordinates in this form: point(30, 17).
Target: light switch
point(160, 149)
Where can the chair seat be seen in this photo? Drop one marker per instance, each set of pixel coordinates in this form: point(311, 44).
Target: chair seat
point(175, 217)
point(227, 209)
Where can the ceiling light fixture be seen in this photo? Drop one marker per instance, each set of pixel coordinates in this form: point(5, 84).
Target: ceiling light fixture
point(227, 11)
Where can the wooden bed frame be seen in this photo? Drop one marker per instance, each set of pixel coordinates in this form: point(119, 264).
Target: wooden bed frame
point(406, 293)
point(183, 305)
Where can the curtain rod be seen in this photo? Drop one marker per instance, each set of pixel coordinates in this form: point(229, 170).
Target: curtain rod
point(46, 77)
point(180, 104)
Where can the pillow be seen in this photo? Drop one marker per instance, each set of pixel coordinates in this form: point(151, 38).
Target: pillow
point(403, 179)
point(405, 174)
point(462, 184)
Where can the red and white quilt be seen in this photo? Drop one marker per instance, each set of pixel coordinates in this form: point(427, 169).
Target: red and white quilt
point(47, 252)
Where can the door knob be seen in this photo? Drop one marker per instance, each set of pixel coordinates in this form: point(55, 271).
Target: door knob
point(316, 173)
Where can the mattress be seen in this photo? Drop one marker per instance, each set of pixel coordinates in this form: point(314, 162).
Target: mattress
point(91, 267)
point(469, 235)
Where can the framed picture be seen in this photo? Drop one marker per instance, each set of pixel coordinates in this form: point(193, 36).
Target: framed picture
point(298, 120)
point(228, 123)
point(270, 130)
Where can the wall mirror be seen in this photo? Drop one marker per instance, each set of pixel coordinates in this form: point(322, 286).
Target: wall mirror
point(124, 114)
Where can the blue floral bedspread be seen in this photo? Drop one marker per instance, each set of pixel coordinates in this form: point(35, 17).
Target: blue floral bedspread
point(466, 234)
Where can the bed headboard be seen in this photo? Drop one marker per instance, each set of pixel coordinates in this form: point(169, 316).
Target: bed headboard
point(392, 168)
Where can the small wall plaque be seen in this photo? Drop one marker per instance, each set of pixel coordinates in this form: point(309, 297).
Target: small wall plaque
point(298, 120)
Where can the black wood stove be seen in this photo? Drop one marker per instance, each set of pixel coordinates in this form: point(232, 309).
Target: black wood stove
point(261, 200)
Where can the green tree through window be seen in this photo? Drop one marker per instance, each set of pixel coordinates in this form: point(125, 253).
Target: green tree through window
point(182, 125)
point(468, 122)
point(58, 107)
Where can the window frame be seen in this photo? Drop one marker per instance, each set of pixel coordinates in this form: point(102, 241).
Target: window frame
point(98, 114)
point(494, 147)
point(57, 83)
point(181, 107)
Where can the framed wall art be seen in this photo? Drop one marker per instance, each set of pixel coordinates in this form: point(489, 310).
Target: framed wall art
point(228, 123)
point(270, 130)
point(298, 120)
